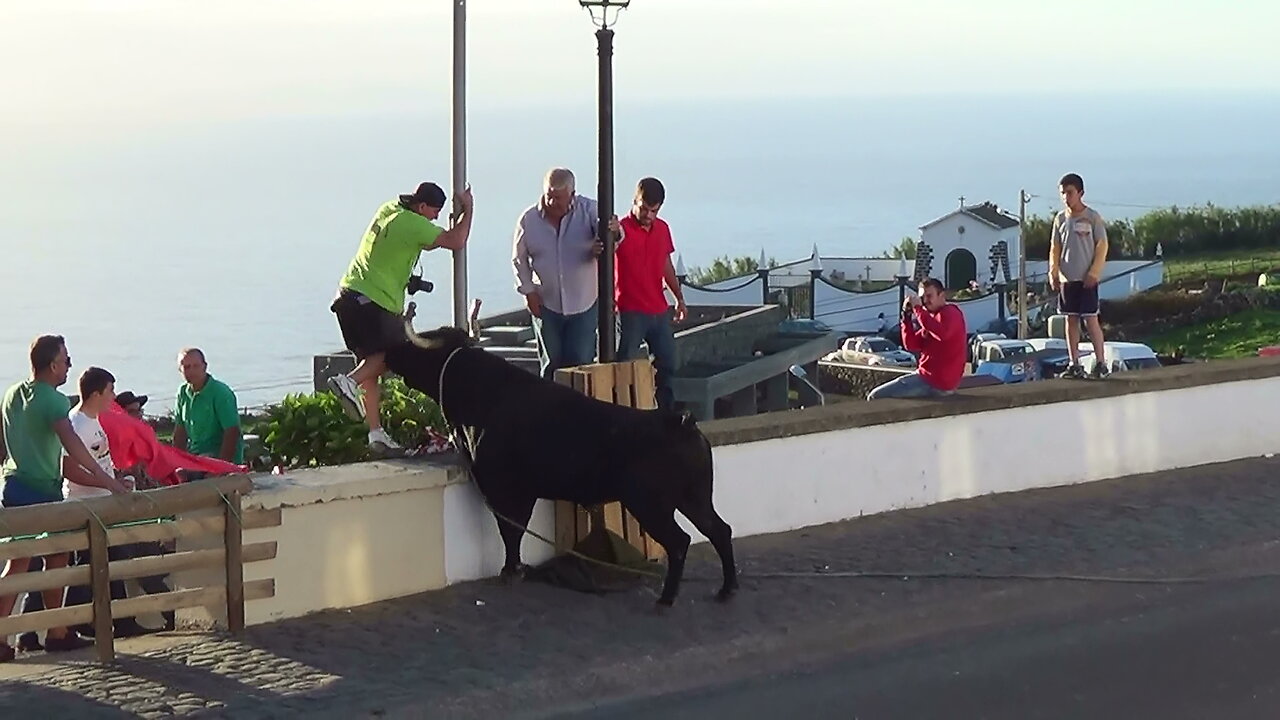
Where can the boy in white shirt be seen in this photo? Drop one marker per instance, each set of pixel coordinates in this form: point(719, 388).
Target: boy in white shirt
point(97, 392)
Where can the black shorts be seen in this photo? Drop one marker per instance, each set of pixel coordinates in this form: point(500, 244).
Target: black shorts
point(367, 328)
point(1076, 299)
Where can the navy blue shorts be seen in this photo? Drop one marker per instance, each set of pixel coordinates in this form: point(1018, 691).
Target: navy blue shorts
point(1076, 299)
point(17, 494)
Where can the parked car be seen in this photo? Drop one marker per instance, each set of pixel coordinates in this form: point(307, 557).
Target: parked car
point(803, 326)
point(1121, 356)
point(976, 339)
point(1008, 359)
point(872, 350)
point(1053, 355)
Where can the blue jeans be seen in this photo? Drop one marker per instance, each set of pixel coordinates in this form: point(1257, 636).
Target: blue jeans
point(637, 328)
point(565, 340)
point(910, 385)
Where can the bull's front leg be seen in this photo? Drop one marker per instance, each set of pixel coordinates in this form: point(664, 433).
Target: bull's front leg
point(512, 516)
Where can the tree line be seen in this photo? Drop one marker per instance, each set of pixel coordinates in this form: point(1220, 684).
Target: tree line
point(1179, 231)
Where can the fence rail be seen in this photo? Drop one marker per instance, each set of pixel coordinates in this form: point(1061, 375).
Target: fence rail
point(97, 524)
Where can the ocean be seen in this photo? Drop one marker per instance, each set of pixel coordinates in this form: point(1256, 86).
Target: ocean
point(231, 236)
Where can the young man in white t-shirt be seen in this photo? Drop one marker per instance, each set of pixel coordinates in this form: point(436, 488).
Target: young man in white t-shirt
point(97, 392)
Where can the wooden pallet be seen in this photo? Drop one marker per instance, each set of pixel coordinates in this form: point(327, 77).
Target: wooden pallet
point(630, 383)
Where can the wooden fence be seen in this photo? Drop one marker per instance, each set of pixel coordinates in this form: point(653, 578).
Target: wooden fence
point(145, 516)
point(630, 383)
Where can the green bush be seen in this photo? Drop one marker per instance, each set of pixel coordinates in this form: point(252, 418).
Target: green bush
point(1181, 231)
point(308, 430)
point(407, 414)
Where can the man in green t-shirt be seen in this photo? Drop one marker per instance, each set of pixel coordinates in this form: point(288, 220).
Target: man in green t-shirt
point(206, 418)
point(371, 296)
point(34, 430)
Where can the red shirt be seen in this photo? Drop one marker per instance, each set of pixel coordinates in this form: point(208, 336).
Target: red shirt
point(639, 266)
point(939, 338)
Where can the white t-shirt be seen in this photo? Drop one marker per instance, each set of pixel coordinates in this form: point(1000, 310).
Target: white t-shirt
point(95, 440)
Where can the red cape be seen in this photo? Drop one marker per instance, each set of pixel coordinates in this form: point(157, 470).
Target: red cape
point(133, 441)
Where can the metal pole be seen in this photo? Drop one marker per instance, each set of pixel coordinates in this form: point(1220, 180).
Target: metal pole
point(459, 147)
point(604, 40)
point(1022, 265)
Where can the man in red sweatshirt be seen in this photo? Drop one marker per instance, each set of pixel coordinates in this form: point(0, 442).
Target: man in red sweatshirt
point(933, 329)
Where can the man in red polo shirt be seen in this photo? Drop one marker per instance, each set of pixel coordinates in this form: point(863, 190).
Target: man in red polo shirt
point(642, 264)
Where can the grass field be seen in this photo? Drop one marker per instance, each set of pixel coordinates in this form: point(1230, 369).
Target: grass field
point(1221, 265)
point(1239, 335)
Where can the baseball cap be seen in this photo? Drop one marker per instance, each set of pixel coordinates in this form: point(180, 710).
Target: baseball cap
point(428, 192)
point(128, 398)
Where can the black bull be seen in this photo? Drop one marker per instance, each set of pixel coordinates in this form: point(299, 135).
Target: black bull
point(539, 439)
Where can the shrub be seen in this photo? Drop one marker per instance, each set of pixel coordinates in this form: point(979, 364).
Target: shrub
point(308, 430)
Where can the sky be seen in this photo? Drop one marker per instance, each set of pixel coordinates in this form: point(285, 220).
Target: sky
point(123, 67)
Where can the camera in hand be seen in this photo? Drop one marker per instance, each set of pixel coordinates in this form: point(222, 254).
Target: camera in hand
point(417, 284)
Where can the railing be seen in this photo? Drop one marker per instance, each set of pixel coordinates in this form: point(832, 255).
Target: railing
point(145, 516)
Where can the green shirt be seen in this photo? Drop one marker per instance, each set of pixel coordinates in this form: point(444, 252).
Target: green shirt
point(34, 451)
point(206, 414)
point(390, 247)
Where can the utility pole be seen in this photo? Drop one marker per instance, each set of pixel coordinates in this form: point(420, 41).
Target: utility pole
point(459, 147)
point(1023, 197)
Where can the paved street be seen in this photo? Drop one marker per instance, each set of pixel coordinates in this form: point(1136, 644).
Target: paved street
point(807, 647)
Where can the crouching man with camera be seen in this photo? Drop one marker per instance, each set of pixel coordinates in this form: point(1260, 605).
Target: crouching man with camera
point(934, 329)
point(371, 296)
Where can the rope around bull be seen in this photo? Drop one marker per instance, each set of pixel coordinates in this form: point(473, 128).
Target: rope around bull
point(467, 448)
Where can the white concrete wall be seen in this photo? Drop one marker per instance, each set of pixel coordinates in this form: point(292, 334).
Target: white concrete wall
point(1150, 276)
point(473, 547)
point(357, 534)
point(749, 294)
point(854, 312)
point(784, 484)
point(979, 312)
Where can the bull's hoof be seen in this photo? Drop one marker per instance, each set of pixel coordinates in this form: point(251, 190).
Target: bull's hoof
point(726, 593)
point(663, 605)
point(512, 573)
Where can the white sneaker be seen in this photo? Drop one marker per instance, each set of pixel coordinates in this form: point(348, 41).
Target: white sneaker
point(348, 394)
point(380, 437)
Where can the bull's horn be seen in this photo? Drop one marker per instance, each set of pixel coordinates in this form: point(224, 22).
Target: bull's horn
point(419, 341)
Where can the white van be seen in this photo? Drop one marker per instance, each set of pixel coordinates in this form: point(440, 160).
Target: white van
point(1121, 356)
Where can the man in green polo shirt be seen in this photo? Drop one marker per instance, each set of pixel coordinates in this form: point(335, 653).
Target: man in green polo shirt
point(371, 295)
point(206, 419)
point(34, 431)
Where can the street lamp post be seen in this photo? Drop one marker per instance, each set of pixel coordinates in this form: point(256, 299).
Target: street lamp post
point(599, 10)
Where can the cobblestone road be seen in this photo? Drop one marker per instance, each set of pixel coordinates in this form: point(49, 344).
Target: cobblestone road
point(481, 650)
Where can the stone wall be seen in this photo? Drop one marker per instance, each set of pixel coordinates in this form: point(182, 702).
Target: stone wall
point(854, 380)
point(731, 338)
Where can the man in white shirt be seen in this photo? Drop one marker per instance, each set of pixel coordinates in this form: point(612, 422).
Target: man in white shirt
point(554, 255)
point(97, 392)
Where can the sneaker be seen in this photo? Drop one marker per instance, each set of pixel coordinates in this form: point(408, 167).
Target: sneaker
point(72, 641)
point(380, 440)
point(1075, 372)
point(348, 394)
point(1100, 371)
point(29, 642)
